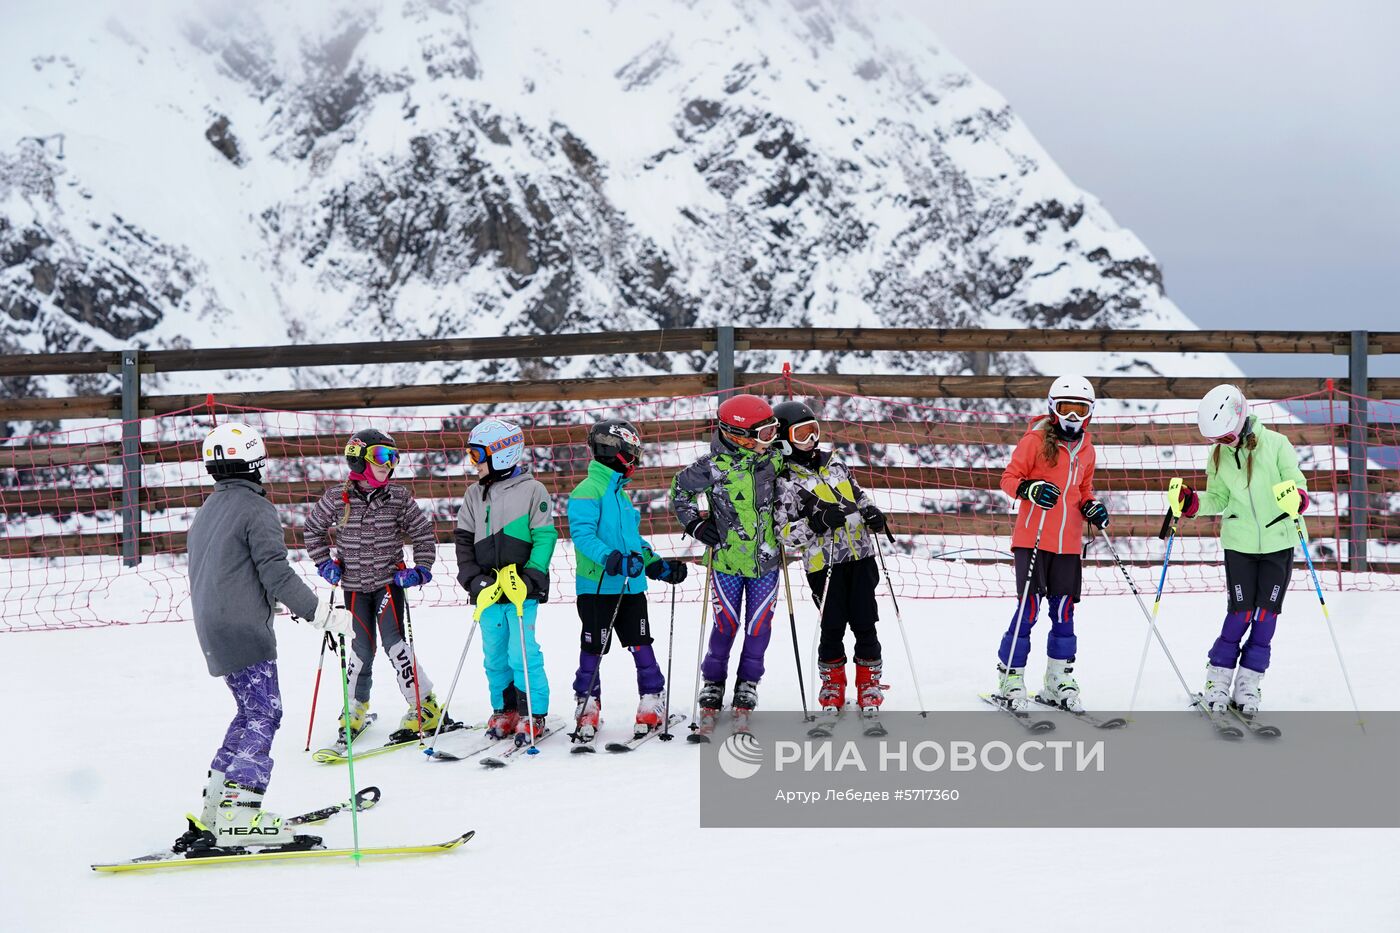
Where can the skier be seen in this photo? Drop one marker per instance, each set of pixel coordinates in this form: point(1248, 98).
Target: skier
point(839, 557)
point(369, 516)
point(612, 558)
point(748, 503)
point(506, 519)
point(238, 573)
point(1051, 473)
point(1248, 459)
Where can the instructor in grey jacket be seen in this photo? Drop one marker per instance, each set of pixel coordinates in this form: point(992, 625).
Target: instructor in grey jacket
point(238, 574)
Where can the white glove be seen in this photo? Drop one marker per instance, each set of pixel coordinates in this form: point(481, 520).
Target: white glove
point(331, 618)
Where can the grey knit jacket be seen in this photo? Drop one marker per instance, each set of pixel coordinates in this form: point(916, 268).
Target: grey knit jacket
point(369, 544)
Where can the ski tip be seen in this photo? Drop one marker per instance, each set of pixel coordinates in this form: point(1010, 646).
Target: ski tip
point(696, 738)
point(583, 750)
point(1113, 724)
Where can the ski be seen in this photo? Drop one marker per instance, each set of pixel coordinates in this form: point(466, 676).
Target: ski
point(826, 722)
point(583, 744)
point(632, 743)
point(702, 729)
point(1223, 726)
point(449, 753)
point(404, 738)
point(1261, 729)
point(364, 800)
point(1022, 717)
point(552, 726)
point(871, 725)
point(1098, 722)
point(335, 754)
point(238, 854)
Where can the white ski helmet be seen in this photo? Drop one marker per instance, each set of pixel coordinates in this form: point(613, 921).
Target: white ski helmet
point(1222, 414)
point(1071, 403)
point(234, 450)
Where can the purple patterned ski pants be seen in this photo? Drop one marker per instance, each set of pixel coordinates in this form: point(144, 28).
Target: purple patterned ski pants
point(246, 755)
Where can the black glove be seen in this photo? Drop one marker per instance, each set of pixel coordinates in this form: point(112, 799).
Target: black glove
point(1039, 492)
point(826, 517)
point(668, 571)
point(618, 564)
point(874, 519)
point(1095, 513)
point(536, 583)
point(479, 583)
point(705, 531)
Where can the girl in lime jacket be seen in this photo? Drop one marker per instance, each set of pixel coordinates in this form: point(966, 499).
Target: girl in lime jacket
point(1246, 463)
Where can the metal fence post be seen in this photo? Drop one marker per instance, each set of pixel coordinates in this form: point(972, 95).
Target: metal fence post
point(131, 457)
point(1359, 409)
point(724, 349)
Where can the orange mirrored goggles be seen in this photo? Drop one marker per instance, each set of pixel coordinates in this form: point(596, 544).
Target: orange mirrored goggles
point(805, 435)
point(1071, 408)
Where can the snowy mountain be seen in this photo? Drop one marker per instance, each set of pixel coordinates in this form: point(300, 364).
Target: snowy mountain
point(257, 173)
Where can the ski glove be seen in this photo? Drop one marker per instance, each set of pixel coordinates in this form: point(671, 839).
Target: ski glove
point(1190, 502)
point(1095, 513)
point(536, 583)
point(477, 585)
point(1039, 492)
point(415, 577)
point(331, 618)
point(330, 571)
point(618, 564)
point(705, 531)
point(826, 518)
point(874, 519)
point(668, 571)
point(1302, 501)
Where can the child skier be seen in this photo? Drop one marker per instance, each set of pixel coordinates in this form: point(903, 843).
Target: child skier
point(1051, 473)
point(506, 519)
point(368, 517)
point(748, 503)
point(611, 556)
point(839, 556)
point(1245, 464)
point(238, 573)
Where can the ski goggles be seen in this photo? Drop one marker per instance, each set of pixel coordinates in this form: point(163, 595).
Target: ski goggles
point(477, 454)
point(1073, 409)
point(805, 435)
point(765, 432)
point(382, 454)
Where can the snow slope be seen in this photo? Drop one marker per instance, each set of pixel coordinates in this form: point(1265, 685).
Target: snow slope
point(611, 843)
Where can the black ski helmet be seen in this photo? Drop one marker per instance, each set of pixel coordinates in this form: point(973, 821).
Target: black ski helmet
point(360, 442)
point(790, 414)
point(617, 444)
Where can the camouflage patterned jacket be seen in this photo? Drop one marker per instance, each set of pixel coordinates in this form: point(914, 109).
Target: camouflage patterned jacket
point(830, 481)
point(749, 500)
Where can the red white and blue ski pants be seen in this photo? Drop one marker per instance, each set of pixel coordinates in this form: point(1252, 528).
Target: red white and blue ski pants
point(755, 598)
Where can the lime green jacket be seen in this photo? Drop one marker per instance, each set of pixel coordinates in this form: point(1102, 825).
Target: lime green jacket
point(1247, 509)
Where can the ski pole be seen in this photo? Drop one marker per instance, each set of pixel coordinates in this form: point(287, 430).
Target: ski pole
point(1174, 509)
point(700, 643)
point(899, 618)
point(406, 629)
point(792, 620)
point(516, 591)
point(665, 735)
point(1287, 495)
point(316, 690)
point(1025, 594)
point(1151, 618)
point(350, 750)
point(471, 633)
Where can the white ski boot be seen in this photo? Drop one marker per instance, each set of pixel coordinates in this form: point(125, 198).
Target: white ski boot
point(240, 819)
point(194, 836)
point(1011, 687)
point(651, 709)
point(1216, 693)
point(587, 718)
point(1247, 692)
point(1061, 688)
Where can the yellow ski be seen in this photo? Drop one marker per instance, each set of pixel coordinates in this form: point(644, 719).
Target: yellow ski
point(170, 860)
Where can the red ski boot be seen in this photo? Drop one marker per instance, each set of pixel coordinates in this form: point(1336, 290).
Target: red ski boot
point(831, 697)
point(870, 694)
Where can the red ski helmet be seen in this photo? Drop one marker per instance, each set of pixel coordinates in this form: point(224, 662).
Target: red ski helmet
point(747, 421)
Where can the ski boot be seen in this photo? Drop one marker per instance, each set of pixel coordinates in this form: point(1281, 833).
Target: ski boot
point(833, 689)
point(529, 729)
point(1011, 688)
point(870, 694)
point(587, 718)
point(651, 710)
point(709, 700)
point(745, 699)
point(433, 715)
point(240, 820)
point(359, 719)
point(1216, 694)
point(1247, 693)
point(502, 723)
point(1061, 689)
point(194, 837)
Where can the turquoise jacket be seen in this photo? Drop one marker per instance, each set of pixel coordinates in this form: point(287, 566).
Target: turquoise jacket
point(1247, 508)
point(602, 519)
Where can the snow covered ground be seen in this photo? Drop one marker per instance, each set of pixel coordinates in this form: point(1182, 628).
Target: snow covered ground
point(109, 733)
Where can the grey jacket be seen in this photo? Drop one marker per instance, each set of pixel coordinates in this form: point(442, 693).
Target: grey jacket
point(238, 574)
point(370, 542)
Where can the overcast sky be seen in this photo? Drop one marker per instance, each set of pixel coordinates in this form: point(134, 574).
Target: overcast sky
point(1253, 146)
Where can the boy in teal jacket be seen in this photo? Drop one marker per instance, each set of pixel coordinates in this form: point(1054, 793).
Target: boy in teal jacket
point(1245, 464)
point(612, 556)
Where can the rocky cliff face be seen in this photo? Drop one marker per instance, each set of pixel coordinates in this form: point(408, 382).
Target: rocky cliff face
point(451, 168)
